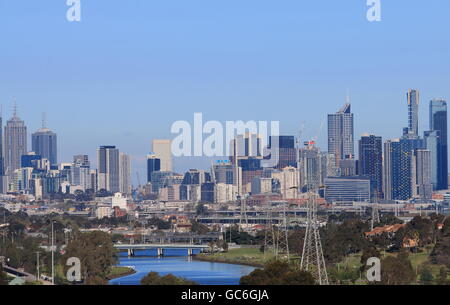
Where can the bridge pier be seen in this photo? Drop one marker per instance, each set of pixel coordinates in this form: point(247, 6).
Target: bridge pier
point(160, 252)
point(130, 252)
point(190, 252)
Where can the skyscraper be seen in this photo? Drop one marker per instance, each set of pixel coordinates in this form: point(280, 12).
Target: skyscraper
point(397, 169)
point(438, 122)
point(421, 174)
point(108, 169)
point(340, 134)
point(125, 173)
point(286, 152)
point(432, 140)
point(413, 98)
point(153, 165)
point(163, 151)
point(15, 142)
point(371, 163)
point(44, 144)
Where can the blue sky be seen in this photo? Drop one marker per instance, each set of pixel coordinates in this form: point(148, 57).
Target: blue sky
point(131, 68)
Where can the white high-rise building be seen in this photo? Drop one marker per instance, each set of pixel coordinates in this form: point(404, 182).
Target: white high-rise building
point(125, 173)
point(163, 151)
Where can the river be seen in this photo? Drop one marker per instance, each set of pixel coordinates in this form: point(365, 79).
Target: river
point(175, 262)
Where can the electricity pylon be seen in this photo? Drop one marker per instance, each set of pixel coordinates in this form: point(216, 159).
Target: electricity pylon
point(283, 236)
point(312, 256)
point(276, 238)
point(243, 209)
point(375, 216)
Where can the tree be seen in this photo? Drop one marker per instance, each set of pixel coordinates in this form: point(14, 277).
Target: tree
point(96, 253)
point(397, 270)
point(153, 278)
point(442, 280)
point(199, 228)
point(3, 278)
point(426, 277)
point(277, 273)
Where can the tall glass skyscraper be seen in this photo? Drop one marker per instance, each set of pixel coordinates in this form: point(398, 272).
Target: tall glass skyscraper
point(413, 98)
point(397, 169)
point(153, 165)
point(438, 122)
point(15, 143)
point(371, 163)
point(108, 169)
point(44, 144)
point(340, 134)
point(432, 144)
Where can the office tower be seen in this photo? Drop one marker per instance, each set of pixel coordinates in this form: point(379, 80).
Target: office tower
point(421, 172)
point(153, 165)
point(397, 169)
point(413, 98)
point(310, 168)
point(225, 172)
point(81, 160)
point(80, 173)
point(125, 173)
point(163, 151)
point(15, 142)
point(285, 153)
point(438, 122)
point(340, 134)
point(246, 146)
point(29, 160)
point(108, 169)
point(432, 140)
point(261, 185)
point(347, 189)
point(44, 144)
point(194, 176)
point(370, 163)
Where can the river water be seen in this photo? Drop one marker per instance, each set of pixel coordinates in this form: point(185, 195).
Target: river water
point(176, 262)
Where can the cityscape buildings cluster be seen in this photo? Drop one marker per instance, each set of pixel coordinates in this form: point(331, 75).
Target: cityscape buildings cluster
point(410, 167)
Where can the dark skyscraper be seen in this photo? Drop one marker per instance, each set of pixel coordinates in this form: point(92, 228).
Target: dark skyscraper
point(340, 134)
point(108, 168)
point(438, 122)
point(153, 165)
point(371, 162)
point(44, 144)
point(287, 155)
point(397, 169)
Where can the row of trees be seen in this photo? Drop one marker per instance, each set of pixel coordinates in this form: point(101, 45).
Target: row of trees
point(153, 278)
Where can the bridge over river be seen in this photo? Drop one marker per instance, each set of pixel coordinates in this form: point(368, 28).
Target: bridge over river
point(131, 248)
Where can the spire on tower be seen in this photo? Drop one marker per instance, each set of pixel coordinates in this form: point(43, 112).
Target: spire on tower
point(15, 108)
point(44, 120)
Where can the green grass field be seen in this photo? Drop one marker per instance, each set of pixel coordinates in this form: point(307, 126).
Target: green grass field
point(245, 256)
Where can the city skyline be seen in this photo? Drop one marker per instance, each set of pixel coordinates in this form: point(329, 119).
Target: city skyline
point(127, 72)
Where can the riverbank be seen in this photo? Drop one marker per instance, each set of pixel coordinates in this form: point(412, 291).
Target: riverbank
point(120, 271)
point(241, 256)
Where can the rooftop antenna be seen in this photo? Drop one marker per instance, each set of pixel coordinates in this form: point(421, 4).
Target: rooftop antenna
point(44, 120)
point(15, 108)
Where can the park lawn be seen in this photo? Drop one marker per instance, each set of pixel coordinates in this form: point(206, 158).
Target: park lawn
point(245, 256)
